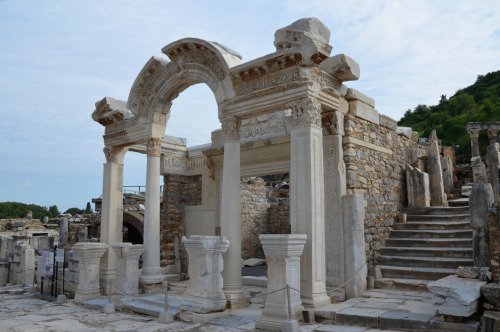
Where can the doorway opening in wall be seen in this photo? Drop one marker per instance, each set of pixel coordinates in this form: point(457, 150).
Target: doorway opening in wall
point(265, 209)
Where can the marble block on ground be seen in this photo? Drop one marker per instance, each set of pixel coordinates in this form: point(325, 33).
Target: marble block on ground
point(456, 296)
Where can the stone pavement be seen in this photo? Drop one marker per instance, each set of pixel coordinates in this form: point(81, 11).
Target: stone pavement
point(381, 310)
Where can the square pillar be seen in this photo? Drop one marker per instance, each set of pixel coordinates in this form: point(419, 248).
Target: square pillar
point(89, 255)
point(307, 197)
point(204, 291)
point(230, 211)
point(335, 189)
point(127, 255)
point(112, 211)
point(474, 142)
point(283, 263)
point(151, 271)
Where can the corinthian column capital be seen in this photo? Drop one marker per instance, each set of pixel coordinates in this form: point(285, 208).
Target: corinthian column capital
point(153, 146)
point(231, 129)
point(305, 112)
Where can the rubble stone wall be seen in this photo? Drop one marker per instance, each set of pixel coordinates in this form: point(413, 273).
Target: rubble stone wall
point(179, 191)
point(263, 211)
point(375, 158)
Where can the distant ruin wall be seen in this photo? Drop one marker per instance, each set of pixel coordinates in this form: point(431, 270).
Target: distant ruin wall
point(376, 157)
point(179, 191)
point(263, 211)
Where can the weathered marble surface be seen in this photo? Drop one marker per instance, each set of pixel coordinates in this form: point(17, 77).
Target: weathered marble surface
point(127, 261)
point(204, 291)
point(89, 255)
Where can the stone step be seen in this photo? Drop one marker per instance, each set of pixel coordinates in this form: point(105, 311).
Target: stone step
point(414, 285)
point(427, 252)
point(467, 233)
point(431, 262)
point(436, 210)
point(438, 218)
point(417, 225)
point(426, 273)
point(459, 202)
point(430, 242)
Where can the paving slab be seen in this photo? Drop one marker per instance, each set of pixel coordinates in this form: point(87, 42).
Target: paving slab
point(404, 320)
point(359, 316)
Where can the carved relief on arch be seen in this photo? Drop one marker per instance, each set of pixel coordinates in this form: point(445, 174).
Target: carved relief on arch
point(196, 53)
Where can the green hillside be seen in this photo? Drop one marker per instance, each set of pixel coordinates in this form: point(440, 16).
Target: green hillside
point(19, 210)
point(475, 103)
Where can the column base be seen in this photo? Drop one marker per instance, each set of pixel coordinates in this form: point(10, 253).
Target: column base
point(273, 318)
point(209, 303)
point(84, 295)
point(316, 301)
point(151, 283)
point(236, 298)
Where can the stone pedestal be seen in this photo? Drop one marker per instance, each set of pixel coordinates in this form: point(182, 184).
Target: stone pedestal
point(480, 201)
point(127, 261)
point(89, 255)
point(438, 196)
point(478, 170)
point(417, 184)
point(354, 242)
point(151, 271)
point(307, 197)
point(283, 268)
point(63, 231)
point(230, 211)
point(204, 291)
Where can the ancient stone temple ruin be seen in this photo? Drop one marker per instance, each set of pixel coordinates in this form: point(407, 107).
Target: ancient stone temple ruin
point(288, 112)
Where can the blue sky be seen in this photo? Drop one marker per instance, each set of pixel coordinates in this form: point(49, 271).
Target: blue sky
point(57, 58)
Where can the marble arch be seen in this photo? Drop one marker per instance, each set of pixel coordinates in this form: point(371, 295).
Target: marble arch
point(292, 100)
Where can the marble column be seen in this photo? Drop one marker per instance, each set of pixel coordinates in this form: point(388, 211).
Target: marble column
point(283, 268)
point(474, 142)
point(204, 291)
point(230, 211)
point(307, 193)
point(335, 189)
point(492, 135)
point(128, 267)
point(151, 271)
point(112, 211)
point(89, 255)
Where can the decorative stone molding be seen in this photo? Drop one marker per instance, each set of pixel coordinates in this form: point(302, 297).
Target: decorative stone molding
point(231, 129)
point(342, 67)
point(333, 123)
point(153, 146)
point(473, 133)
point(305, 112)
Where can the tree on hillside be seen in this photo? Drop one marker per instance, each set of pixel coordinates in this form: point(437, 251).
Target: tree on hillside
point(54, 211)
point(88, 208)
point(18, 210)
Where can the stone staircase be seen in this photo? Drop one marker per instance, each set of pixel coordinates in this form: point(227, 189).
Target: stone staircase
point(431, 245)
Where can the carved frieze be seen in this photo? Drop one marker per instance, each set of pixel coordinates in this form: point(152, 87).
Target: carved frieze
point(174, 162)
point(196, 163)
point(263, 82)
point(263, 126)
point(153, 146)
point(388, 122)
point(197, 53)
point(231, 129)
point(306, 111)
